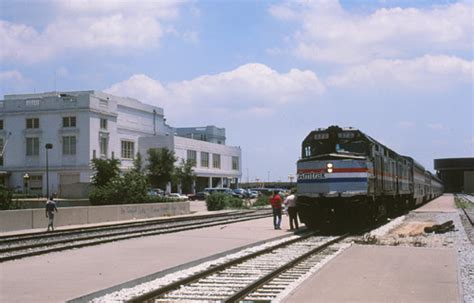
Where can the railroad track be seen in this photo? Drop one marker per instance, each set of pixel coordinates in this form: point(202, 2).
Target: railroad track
point(258, 276)
point(25, 245)
point(469, 212)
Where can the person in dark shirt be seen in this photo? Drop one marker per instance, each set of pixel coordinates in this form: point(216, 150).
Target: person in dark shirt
point(50, 209)
point(275, 201)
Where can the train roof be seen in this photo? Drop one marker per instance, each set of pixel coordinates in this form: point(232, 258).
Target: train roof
point(350, 128)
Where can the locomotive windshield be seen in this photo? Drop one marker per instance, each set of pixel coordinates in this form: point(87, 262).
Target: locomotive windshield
point(343, 143)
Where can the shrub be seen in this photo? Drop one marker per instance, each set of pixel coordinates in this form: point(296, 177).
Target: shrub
point(262, 200)
point(131, 188)
point(216, 201)
point(234, 202)
point(6, 201)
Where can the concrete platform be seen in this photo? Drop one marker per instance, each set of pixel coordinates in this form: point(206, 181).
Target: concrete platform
point(61, 276)
point(444, 203)
point(387, 273)
point(384, 274)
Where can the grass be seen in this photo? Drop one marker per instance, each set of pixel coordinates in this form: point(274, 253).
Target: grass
point(462, 203)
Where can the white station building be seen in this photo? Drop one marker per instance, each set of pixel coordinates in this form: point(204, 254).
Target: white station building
point(82, 125)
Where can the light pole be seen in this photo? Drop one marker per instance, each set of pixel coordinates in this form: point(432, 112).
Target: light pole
point(291, 177)
point(26, 177)
point(47, 146)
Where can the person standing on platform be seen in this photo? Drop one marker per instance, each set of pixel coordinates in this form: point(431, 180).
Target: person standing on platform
point(275, 201)
point(290, 203)
point(50, 209)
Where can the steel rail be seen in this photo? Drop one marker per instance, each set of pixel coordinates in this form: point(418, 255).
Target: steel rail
point(265, 279)
point(111, 226)
point(147, 297)
point(100, 233)
point(134, 234)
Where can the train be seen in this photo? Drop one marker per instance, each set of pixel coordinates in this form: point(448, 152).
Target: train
point(345, 177)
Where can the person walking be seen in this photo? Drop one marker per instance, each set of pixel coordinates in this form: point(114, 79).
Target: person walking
point(290, 203)
point(275, 201)
point(50, 209)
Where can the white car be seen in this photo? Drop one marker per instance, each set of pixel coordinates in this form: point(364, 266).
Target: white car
point(178, 197)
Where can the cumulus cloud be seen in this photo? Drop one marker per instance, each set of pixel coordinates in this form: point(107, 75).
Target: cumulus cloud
point(117, 26)
point(436, 126)
point(14, 80)
point(251, 89)
point(433, 72)
point(328, 33)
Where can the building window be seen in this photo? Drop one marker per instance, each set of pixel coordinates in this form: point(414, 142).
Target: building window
point(1, 124)
point(204, 159)
point(103, 147)
point(32, 123)
point(69, 121)
point(191, 156)
point(235, 163)
point(216, 161)
point(103, 123)
point(69, 145)
point(36, 183)
point(32, 146)
point(128, 149)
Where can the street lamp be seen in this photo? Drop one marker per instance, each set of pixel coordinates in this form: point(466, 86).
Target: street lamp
point(47, 146)
point(26, 177)
point(291, 177)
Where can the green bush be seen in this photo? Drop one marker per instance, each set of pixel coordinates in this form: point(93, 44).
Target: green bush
point(219, 201)
point(131, 188)
point(6, 201)
point(262, 200)
point(234, 202)
point(216, 201)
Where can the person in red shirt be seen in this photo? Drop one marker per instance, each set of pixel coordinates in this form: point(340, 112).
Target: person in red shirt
point(275, 201)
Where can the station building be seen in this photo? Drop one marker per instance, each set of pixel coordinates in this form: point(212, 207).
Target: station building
point(456, 173)
point(82, 125)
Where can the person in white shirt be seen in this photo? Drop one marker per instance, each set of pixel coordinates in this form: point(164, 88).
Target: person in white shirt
point(290, 203)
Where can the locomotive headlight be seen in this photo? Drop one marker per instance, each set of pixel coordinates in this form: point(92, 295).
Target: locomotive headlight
point(329, 167)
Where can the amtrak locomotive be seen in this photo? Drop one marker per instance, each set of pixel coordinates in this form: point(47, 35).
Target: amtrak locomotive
point(346, 177)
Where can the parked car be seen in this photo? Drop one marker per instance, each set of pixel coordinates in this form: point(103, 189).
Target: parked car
point(253, 194)
point(223, 190)
point(178, 197)
point(154, 192)
point(243, 193)
point(200, 196)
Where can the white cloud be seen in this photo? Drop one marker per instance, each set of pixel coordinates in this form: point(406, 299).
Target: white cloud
point(117, 26)
point(328, 33)
point(14, 80)
point(158, 9)
point(436, 126)
point(11, 75)
point(251, 89)
point(427, 72)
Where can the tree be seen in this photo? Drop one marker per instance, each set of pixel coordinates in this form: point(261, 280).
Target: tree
point(185, 175)
point(105, 170)
point(160, 166)
point(138, 163)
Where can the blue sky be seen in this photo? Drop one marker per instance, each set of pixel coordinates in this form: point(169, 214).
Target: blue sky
point(267, 71)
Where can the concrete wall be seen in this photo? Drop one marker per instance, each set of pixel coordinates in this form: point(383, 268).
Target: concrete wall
point(11, 220)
